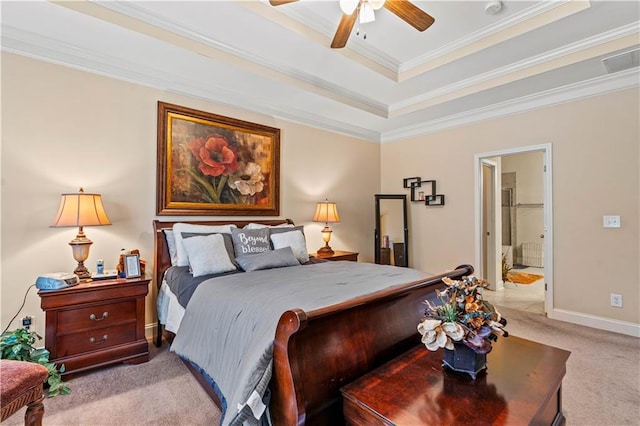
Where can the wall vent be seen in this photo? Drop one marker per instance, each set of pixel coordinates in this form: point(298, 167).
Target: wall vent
point(622, 61)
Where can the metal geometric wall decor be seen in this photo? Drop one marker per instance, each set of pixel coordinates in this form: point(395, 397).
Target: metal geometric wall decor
point(423, 190)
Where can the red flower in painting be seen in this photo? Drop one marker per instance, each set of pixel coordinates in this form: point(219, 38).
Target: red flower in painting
point(214, 154)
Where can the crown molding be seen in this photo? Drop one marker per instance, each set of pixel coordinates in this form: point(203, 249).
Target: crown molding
point(528, 20)
point(31, 45)
point(177, 34)
point(482, 34)
point(526, 68)
point(573, 92)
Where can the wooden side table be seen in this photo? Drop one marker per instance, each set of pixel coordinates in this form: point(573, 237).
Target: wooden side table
point(96, 323)
point(339, 255)
point(522, 385)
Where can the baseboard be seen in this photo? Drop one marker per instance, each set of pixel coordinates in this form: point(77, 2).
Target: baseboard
point(608, 324)
point(150, 330)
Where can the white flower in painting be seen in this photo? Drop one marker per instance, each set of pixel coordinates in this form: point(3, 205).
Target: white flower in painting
point(247, 179)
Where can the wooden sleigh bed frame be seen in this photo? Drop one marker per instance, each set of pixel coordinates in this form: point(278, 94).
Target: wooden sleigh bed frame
point(318, 352)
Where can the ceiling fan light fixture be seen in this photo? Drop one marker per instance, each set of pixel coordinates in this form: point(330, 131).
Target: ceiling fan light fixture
point(366, 13)
point(348, 6)
point(376, 4)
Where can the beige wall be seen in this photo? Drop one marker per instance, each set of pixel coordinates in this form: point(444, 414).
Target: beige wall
point(595, 146)
point(63, 128)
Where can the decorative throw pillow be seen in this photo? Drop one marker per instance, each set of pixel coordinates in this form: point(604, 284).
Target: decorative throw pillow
point(250, 241)
point(228, 242)
point(171, 245)
point(295, 240)
point(207, 255)
point(180, 227)
point(268, 260)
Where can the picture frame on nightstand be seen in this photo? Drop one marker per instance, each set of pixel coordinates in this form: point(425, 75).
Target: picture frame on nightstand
point(132, 266)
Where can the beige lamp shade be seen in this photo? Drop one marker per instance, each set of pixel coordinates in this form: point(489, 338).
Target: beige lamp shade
point(81, 209)
point(326, 212)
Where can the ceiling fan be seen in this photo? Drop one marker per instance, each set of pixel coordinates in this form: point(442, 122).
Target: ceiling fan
point(364, 9)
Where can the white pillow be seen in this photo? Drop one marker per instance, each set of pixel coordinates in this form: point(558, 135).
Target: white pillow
point(293, 239)
point(260, 225)
point(179, 228)
point(207, 255)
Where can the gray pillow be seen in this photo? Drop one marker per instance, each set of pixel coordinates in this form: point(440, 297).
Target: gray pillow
point(250, 241)
point(228, 242)
point(268, 260)
point(294, 239)
point(171, 245)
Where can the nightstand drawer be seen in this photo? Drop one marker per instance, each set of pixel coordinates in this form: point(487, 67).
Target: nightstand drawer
point(96, 316)
point(94, 340)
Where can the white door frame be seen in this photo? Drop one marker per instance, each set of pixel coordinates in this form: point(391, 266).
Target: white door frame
point(547, 211)
point(492, 273)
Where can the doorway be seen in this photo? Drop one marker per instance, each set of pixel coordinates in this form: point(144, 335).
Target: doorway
point(513, 224)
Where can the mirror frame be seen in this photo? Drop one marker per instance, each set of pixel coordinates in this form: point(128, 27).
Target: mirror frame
point(377, 237)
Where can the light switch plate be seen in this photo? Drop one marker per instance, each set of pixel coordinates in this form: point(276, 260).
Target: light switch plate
point(611, 221)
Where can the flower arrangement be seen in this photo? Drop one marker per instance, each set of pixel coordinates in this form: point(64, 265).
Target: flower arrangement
point(463, 316)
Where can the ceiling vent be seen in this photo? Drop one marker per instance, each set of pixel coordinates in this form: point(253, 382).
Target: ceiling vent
point(622, 61)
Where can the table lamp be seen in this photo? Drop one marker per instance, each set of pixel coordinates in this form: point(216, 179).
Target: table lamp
point(81, 209)
point(326, 212)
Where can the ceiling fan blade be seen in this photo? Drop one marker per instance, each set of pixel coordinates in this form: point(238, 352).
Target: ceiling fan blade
point(410, 13)
point(344, 30)
point(279, 2)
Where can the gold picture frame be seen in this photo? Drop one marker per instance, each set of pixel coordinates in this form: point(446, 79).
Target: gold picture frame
point(213, 165)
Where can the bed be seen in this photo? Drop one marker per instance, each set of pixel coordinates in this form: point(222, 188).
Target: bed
point(317, 351)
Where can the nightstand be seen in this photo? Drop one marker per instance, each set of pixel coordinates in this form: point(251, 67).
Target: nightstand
point(339, 255)
point(96, 323)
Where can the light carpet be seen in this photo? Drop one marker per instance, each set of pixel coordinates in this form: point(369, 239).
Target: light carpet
point(602, 383)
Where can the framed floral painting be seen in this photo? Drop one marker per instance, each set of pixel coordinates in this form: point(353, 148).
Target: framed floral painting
point(209, 164)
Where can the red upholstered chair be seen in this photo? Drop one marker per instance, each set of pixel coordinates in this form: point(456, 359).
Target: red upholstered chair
point(22, 383)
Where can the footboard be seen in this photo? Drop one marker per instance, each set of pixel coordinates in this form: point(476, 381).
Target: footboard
point(318, 352)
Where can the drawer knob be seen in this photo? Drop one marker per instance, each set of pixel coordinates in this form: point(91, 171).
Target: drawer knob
point(97, 342)
point(104, 316)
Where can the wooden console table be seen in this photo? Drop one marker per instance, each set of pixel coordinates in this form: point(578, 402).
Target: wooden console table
point(522, 385)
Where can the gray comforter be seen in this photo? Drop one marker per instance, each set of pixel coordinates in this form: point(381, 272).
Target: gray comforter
point(230, 322)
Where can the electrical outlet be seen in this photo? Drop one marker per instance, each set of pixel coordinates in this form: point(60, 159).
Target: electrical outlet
point(611, 221)
point(616, 300)
point(27, 322)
